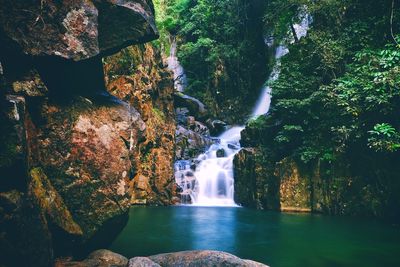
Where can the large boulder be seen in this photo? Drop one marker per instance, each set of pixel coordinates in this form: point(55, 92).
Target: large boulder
point(84, 150)
point(76, 30)
point(77, 155)
point(195, 106)
point(201, 258)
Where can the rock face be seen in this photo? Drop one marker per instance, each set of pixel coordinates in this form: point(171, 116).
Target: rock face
point(22, 227)
point(149, 88)
point(72, 156)
point(289, 185)
point(84, 150)
point(78, 157)
point(254, 187)
point(75, 29)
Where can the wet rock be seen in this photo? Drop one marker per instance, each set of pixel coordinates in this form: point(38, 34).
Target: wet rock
point(216, 126)
point(189, 174)
point(295, 187)
point(193, 166)
point(199, 128)
point(195, 106)
point(142, 262)
point(232, 146)
point(190, 144)
point(220, 153)
point(182, 115)
point(108, 258)
point(255, 184)
point(201, 258)
point(191, 120)
point(75, 29)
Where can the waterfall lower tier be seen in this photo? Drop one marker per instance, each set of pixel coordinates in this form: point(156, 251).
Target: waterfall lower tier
point(210, 182)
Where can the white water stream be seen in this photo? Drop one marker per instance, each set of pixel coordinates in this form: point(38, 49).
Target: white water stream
point(180, 80)
point(211, 181)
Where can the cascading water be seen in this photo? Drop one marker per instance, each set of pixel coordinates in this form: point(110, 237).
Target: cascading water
point(210, 181)
point(180, 80)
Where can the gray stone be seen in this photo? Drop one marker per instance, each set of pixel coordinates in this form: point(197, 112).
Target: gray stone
point(201, 258)
point(142, 262)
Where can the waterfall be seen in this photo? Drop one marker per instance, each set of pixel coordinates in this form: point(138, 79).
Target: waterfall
point(210, 181)
point(264, 101)
point(180, 80)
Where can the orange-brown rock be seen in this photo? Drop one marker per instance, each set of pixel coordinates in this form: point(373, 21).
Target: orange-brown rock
point(148, 86)
point(85, 151)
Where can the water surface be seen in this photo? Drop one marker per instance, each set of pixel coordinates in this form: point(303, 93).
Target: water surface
point(276, 239)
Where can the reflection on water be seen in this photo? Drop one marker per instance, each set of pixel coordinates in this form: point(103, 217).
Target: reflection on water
point(273, 238)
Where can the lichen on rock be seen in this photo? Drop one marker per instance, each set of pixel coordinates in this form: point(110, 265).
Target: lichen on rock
point(50, 202)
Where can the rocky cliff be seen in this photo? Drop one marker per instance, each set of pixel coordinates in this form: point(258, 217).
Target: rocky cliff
point(74, 157)
point(138, 76)
point(346, 186)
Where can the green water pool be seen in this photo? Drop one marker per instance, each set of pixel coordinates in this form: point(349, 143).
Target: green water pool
point(276, 239)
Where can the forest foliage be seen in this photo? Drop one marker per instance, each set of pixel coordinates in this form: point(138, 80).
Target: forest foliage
point(339, 87)
point(221, 48)
point(338, 91)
